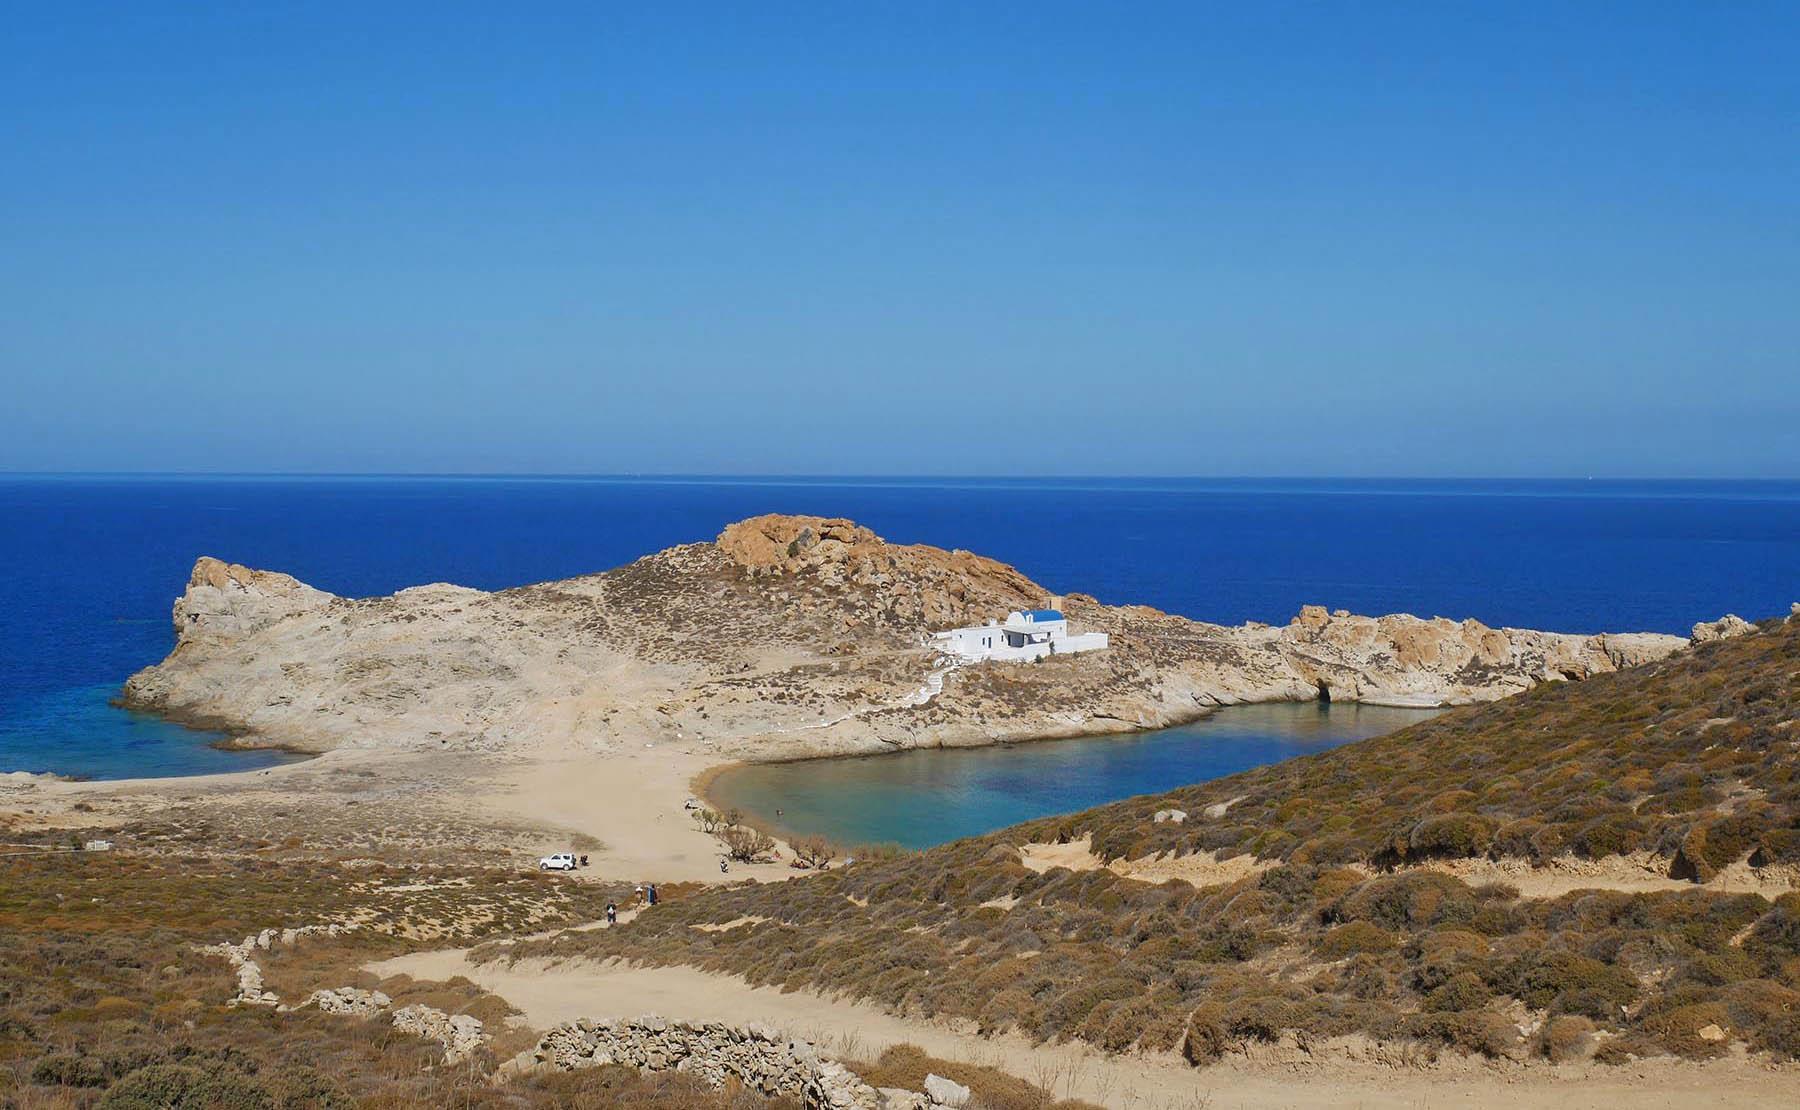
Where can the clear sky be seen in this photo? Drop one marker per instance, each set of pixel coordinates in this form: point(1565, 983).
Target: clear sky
point(1439, 239)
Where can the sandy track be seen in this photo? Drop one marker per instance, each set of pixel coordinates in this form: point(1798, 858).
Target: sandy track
point(1198, 868)
point(549, 993)
point(1639, 874)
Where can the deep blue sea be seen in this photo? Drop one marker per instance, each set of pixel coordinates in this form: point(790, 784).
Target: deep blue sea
point(90, 565)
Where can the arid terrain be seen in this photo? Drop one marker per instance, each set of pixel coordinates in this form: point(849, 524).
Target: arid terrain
point(1579, 895)
point(457, 724)
point(787, 637)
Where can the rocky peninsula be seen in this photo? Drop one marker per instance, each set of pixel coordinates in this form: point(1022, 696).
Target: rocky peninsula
point(786, 637)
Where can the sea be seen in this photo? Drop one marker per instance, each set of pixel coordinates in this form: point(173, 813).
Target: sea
point(90, 565)
point(928, 796)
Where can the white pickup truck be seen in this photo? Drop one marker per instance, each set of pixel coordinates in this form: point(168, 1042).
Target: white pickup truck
point(561, 861)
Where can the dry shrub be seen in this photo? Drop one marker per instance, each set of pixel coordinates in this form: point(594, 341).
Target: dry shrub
point(1448, 836)
point(1480, 1031)
point(1334, 884)
point(1678, 1029)
point(1462, 991)
point(1262, 1018)
point(1566, 1038)
point(746, 844)
point(1206, 1039)
point(1780, 1036)
point(1409, 900)
point(1353, 938)
point(1569, 983)
point(814, 851)
point(906, 1066)
point(1625, 1050)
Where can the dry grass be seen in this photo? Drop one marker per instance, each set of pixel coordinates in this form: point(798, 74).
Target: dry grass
point(104, 1001)
point(906, 1066)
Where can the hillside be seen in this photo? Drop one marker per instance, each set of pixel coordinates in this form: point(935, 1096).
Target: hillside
point(1386, 892)
point(786, 636)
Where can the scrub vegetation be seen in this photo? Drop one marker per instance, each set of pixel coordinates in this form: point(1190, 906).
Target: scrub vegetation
point(1672, 774)
point(105, 1002)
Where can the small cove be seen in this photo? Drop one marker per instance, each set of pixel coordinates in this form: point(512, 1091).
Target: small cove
point(80, 732)
point(930, 796)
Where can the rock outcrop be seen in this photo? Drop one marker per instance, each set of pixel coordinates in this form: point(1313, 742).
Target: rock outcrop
point(1724, 628)
point(788, 636)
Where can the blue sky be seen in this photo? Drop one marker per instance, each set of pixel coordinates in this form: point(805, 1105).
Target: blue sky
point(1384, 239)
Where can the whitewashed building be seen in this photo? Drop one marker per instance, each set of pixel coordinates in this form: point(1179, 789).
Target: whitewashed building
point(1022, 637)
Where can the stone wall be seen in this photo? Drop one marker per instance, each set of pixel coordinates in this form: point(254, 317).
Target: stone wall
point(460, 1034)
point(762, 1059)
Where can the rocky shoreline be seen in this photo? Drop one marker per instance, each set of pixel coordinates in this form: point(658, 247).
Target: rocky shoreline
point(786, 638)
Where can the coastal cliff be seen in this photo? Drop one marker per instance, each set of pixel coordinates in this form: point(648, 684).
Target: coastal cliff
point(788, 636)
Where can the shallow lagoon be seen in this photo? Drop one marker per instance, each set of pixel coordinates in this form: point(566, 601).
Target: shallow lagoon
point(930, 796)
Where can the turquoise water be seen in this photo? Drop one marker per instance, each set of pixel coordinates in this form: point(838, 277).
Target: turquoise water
point(929, 796)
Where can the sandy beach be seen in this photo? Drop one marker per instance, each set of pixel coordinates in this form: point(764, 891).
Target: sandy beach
point(625, 810)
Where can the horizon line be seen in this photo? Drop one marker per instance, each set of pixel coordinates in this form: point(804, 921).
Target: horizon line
point(801, 476)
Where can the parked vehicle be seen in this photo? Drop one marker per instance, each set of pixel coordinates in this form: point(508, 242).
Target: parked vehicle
point(561, 861)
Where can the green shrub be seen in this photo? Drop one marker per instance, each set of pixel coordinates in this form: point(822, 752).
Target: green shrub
point(67, 1070)
point(180, 1087)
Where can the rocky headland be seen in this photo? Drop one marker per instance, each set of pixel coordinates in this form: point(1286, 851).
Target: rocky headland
point(787, 636)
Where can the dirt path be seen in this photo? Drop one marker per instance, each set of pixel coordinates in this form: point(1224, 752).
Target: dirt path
point(551, 993)
point(1639, 874)
point(1198, 868)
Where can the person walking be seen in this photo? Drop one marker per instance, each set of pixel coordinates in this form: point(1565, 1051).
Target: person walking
point(652, 893)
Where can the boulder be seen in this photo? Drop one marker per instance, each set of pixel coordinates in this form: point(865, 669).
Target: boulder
point(1724, 628)
point(946, 1092)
